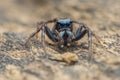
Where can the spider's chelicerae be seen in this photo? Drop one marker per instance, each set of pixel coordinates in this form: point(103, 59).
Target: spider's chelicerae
point(62, 32)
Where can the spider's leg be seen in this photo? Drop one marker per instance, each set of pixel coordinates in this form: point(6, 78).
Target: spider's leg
point(89, 32)
point(50, 34)
point(39, 27)
point(90, 40)
point(85, 26)
point(32, 35)
point(97, 38)
point(79, 34)
point(47, 31)
point(43, 40)
point(89, 37)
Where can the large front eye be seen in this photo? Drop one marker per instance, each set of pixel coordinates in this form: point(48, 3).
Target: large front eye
point(67, 23)
point(62, 23)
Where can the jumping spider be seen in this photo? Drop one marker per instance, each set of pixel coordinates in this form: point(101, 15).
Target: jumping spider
point(62, 32)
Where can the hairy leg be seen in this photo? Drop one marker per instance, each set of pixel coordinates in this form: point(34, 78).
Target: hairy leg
point(39, 27)
point(43, 40)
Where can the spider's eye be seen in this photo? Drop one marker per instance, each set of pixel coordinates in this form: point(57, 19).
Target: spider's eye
point(62, 23)
point(67, 23)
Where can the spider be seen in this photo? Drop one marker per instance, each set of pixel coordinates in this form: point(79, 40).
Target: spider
point(62, 32)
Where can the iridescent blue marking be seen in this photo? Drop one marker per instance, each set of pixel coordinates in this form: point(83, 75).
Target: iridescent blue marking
point(68, 23)
point(63, 23)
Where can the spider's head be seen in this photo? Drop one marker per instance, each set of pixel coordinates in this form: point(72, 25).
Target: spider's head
point(64, 22)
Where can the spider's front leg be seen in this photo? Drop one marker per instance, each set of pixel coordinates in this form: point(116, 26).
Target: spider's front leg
point(50, 34)
point(82, 30)
point(39, 27)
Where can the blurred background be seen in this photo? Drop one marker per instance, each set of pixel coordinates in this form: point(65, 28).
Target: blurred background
point(20, 14)
point(18, 20)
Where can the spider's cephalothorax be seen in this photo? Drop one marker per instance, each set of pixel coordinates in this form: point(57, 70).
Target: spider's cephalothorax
point(62, 32)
